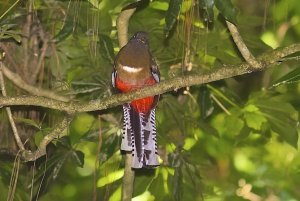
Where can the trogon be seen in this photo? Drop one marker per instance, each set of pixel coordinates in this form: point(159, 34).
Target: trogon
point(135, 68)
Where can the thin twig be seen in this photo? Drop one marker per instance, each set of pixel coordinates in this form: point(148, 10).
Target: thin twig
point(41, 59)
point(26, 38)
point(96, 167)
point(9, 113)
point(220, 104)
point(238, 40)
point(19, 82)
point(14, 178)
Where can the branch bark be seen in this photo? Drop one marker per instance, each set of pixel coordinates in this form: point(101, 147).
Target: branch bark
point(224, 72)
point(59, 130)
point(19, 82)
point(9, 113)
point(238, 40)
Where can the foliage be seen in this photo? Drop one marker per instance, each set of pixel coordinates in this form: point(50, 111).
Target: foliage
point(215, 141)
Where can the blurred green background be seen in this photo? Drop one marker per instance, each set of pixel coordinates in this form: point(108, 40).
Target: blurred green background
point(234, 139)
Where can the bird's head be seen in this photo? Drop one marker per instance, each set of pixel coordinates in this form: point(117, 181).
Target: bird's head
point(141, 37)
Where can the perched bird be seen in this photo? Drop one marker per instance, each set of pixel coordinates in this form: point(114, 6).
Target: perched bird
point(135, 68)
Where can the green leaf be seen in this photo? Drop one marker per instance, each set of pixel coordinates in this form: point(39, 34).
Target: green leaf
point(159, 5)
point(172, 14)
point(207, 7)
point(282, 117)
point(142, 180)
point(205, 102)
point(233, 125)
point(178, 183)
point(106, 48)
point(29, 122)
point(80, 125)
point(66, 30)
point(290, 78)
point(227, 9)
point(8, 31)
point(158, 185)
point(79, 157)
point(39, 136)
point(110, 178)
point(254, 120)
point(253, 117)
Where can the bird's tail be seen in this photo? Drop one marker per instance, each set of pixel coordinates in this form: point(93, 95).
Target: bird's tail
point(139, 137)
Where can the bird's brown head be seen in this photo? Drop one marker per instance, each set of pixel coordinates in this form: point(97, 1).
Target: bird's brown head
point(141, 37)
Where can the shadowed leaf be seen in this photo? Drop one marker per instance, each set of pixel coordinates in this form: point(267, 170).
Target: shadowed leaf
point(207, 7)
point(227, 10)
point(172, 14)
point(290, 78)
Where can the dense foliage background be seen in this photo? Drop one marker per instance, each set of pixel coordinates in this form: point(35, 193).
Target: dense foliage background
point(235, 139)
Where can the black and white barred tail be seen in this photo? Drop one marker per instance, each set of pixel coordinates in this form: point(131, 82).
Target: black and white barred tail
point(139, 137)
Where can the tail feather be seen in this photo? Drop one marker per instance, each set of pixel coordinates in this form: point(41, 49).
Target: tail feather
point(139, 136)
point(150, 143)
point(126, 144)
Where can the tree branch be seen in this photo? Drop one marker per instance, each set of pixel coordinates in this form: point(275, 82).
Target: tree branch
point(238, 40)
point(266, 61)
point(9, 113)
point(19, 82)
point(122, 25)
point(59, 130)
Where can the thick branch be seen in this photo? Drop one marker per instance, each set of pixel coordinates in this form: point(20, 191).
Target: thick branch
point(128, 179)
point(266, 61)
point(19, 82)
point(238, 40)
point(122, 25)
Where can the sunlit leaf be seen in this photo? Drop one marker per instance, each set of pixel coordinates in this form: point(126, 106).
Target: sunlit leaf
point(110, 178)
point(159, 5)
point(253, 117)
point(233, 125)
point(144, 196)
point(254, 120)
point(116, 195)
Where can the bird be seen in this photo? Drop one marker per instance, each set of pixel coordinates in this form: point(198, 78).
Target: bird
point(134, 68)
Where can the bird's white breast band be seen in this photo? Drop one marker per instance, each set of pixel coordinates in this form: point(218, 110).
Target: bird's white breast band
point(131, 69)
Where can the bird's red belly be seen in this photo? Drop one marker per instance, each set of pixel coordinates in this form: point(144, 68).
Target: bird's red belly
point(142, 105)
